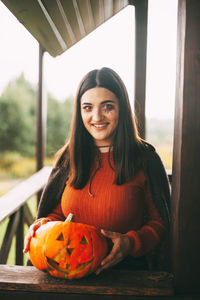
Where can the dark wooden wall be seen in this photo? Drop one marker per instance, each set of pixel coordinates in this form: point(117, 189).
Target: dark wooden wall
point(186, 160)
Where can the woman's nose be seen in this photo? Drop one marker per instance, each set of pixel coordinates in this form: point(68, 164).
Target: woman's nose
point(97, 115)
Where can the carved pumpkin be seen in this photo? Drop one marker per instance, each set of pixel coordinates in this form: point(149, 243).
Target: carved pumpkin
point(67, 249)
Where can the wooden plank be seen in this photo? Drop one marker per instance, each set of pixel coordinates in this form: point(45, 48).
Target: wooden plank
point(111, 282)
point(186, 158)
point(9, 295)
point(59, 296)
point(85, 11)
point(14, 199)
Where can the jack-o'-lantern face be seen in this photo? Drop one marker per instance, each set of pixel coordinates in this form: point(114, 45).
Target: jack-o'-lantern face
point(73, 250)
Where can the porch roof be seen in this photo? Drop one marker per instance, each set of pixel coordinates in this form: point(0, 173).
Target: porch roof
point(57, 25)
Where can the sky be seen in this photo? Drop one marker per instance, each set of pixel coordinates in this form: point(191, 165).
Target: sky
point(111, 45)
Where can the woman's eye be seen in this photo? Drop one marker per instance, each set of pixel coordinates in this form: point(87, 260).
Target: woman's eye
point(108, 107)
point(87, 108)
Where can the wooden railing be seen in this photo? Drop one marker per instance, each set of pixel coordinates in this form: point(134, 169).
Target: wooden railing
point(14, 206)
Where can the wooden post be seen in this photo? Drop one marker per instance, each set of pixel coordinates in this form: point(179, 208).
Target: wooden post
point(141, 12)
point(186, 158)
point(41, 115)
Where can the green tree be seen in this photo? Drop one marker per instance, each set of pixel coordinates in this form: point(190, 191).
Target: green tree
point(17, 117)
point(58, 123)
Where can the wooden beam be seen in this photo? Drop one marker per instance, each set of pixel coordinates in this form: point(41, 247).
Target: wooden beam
point(108, 9)
point(90, 14)
point(79, 19)
point(66, 23)
point(101, 11)
point(141, 11)
point(53, 26)
point(186, 156)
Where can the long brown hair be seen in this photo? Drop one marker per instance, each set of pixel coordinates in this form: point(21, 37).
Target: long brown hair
point(79, 153)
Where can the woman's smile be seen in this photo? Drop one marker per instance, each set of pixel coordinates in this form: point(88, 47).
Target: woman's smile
point(100, 126)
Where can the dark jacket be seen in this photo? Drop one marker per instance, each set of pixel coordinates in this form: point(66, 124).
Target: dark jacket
point(158, 259)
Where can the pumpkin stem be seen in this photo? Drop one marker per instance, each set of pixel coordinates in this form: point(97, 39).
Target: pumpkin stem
point(70, 218)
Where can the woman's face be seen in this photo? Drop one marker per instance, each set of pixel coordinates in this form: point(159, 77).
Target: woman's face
point(100, 114)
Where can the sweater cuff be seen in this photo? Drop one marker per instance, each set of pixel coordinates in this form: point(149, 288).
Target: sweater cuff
point(136, 243)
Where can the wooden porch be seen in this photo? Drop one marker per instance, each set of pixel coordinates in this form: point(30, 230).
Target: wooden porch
point(184, 280)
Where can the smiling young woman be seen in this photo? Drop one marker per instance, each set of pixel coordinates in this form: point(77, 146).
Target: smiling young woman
point(108, 177)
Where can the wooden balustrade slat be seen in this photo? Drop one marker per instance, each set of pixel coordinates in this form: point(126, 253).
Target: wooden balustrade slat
point(109, 282)
point(10, 232)
point(28, 218)
point(20, 239)
point(13, 200)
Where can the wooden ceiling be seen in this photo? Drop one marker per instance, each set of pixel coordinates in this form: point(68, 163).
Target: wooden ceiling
point(59, 24)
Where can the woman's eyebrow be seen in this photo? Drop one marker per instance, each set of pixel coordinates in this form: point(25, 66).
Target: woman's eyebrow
point(110, 101)
point(103, 102)
point(86, 103)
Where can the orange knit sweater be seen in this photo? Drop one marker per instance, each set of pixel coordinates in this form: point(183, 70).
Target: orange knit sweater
point(118, 208)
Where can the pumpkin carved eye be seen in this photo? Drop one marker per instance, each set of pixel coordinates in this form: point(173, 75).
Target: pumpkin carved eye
point(60, 237)
point(84, 241)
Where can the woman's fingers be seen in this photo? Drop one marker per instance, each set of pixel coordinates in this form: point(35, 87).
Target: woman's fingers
point(27, 243)
point(31, 233)
point(110, 260)
point(121, 248)
point(110, 234)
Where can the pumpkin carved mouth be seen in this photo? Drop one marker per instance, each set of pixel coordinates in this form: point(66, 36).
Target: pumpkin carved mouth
point(54, 265)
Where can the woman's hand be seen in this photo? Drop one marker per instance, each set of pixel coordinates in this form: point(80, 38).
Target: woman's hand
point(31, 232)
point(121, 248)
